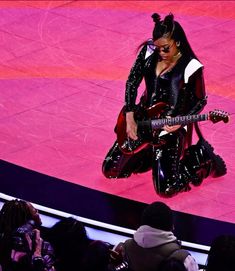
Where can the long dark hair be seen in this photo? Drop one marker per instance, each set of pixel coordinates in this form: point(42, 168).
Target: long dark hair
point(14, 213)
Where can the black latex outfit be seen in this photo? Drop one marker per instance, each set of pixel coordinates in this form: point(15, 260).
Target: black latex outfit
point(184, 92)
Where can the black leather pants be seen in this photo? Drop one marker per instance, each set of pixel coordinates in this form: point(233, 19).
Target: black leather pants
point(167, 178)
point(164, 161)
point(173, 168)
point(119, 165)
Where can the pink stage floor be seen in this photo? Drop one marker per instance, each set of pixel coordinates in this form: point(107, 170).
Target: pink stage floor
point(63, 66)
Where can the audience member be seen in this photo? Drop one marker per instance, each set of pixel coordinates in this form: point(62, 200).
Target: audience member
point(221, 256)
point(20, 241)
point(97, 257)
point(154, 241)
point(70, 241)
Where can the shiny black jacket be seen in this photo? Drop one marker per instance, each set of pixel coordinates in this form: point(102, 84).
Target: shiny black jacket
point(181, 88)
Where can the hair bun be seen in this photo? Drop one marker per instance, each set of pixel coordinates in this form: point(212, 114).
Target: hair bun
point(169, 18)
point(156, 18)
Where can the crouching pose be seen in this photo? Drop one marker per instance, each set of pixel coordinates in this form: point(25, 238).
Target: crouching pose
point(173, 98)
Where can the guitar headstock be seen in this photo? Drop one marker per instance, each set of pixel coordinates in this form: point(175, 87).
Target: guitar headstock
point(218, 115)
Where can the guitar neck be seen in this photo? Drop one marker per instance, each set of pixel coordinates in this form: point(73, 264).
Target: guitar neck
point(181, 120)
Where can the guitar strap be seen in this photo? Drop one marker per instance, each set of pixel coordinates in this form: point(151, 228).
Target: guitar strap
point(198, 131)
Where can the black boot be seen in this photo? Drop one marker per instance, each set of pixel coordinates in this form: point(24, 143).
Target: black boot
point(218, 167)
point(166, 175)
point(200, 161)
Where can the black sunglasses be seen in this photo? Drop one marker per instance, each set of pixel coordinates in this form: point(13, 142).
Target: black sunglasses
point(164, 49)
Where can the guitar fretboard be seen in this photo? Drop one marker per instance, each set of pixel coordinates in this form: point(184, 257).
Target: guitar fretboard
point(182, 120)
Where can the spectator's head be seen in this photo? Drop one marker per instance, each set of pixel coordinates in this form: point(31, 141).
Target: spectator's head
point(69, 240)
point(222, 254)
point(158, 215)
point(68, 231)
point(16, 213)
point(171, 264)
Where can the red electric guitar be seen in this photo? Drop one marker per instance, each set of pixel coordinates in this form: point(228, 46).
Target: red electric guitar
point(150, 124)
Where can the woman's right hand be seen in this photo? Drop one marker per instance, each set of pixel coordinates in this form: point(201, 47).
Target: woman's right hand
point(131, 126)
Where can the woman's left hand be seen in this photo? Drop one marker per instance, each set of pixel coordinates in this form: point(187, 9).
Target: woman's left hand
point(171, 129)
point(38, 244)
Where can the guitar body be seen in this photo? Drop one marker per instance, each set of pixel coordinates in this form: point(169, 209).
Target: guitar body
point(150, 123)
point(144, 130)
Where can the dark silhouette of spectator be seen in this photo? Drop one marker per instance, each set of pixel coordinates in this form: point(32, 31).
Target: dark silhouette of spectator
point(70, 241)
point(97, 256)
point(14, 214)
point(22, 251)
point(154, 241)
point(221, 256)
point(172, 264)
